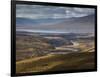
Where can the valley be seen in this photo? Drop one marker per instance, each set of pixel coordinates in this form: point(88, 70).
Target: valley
point(40, 52)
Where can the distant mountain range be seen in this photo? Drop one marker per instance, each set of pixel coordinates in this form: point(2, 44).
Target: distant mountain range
point(36, 22)
point(78, 25)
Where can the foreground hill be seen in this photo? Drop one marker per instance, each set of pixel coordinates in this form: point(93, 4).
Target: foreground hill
point(61, 62)
point(31, 46)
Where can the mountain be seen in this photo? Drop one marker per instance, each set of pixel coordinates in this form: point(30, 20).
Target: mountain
point(82, 24)
point(77, 25)
point(35, 22)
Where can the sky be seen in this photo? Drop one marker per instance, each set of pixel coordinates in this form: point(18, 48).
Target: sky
point(49, 15)
point(42, 12)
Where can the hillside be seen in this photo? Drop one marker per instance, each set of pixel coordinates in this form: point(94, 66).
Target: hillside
point(39, 53)
point(72, 61)
point(31, 46)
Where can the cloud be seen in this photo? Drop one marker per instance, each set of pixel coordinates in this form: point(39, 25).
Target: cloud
point(44, 12)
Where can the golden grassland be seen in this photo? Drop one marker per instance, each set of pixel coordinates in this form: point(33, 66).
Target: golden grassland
point(32, 56)
point(57, 62)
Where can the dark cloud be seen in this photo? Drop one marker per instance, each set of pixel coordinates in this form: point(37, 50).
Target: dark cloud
point(43, 12)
